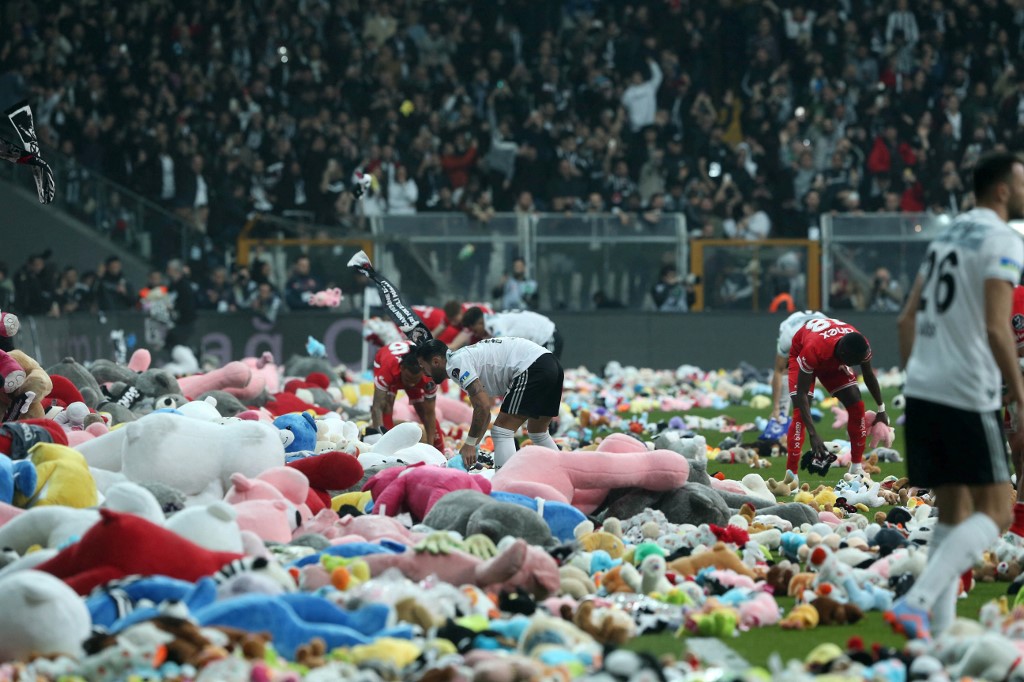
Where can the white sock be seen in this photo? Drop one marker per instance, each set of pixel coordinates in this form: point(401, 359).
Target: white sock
point(504, 444)
point(856, 468)
point(960, 549)
point(944, 609)
point(543, 439)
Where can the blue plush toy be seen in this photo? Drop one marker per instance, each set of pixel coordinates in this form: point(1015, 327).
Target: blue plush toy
point(561, 518)
point(299, 429)
point(351, 550)
point(791, 544)
point(17, 477)
point(116, 605)
point(296, 619)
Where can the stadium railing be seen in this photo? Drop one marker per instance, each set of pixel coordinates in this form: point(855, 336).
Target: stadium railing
point(856, 247)
point(441, 256)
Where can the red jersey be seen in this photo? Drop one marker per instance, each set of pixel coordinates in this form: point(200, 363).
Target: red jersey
point(814, 345)
point(1017, 316)
point(432, 317)
point(387, 373)
point(488, 310)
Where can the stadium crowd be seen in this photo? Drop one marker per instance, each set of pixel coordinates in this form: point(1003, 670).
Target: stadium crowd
point(753, 118)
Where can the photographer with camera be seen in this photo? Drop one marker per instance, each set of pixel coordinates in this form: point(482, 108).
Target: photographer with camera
point(673, 294)
point(886, 293)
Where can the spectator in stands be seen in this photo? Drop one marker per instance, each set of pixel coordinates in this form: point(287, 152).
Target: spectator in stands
point(886, 293)
point(517, 291)
point(70, 293)
point(640, 98)
point(402, 192)
point(243, 288)
point(183, 306)
point(669, 292)
point(301, 285)
point(753, 223)
point(217, 292)
point(266, 303)
point(32, 293)
point(6, 288)
point(115, 293)
point(193, 194)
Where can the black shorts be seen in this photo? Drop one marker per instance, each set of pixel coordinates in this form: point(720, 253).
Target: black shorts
point(537, 391)
point(950, 446)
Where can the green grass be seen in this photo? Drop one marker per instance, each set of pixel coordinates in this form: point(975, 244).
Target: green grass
point(756, 645)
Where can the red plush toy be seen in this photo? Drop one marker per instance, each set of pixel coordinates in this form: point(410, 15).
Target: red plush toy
point(326, 472)
point(730, 534)
point(17, 438)
point(63, 393)
point(286, 403)
point(120, 545)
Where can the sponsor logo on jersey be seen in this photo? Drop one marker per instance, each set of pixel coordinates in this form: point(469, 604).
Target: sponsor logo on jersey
point(1009, 264)
point(465, 375)
point(1018, 322)
point(836, 331)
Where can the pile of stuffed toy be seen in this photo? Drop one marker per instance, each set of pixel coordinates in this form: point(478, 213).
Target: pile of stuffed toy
point(234, 525)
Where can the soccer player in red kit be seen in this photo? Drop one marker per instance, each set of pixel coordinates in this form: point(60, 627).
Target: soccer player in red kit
point(395, 369)
point(1010, 425)
point(825, 350)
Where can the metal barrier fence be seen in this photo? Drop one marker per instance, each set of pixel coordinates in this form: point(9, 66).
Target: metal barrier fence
point(869, 261)
point(440, 256)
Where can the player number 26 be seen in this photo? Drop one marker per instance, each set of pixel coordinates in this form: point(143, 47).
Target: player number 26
point(944, 285)
point(818, 325)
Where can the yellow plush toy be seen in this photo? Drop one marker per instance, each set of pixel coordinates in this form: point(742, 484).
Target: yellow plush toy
point(357, 499)
point(64, 478)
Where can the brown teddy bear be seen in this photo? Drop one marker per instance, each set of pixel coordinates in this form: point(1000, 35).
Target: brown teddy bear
point(718, 556)
point(614, 626)
point(832, 612)
point(37, 387)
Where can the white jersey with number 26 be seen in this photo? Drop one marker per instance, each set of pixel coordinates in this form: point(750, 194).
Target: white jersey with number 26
point(951, 362)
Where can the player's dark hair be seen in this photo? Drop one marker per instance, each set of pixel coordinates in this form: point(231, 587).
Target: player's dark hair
point(410, 360)
point(993, 169)
point(452, 309)
point(853, 344)
point(472, 316)
point(428, 350)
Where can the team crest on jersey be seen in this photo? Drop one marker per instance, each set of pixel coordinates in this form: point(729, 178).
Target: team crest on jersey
point(1018, 322)
point(455, 374)
point(431, 385)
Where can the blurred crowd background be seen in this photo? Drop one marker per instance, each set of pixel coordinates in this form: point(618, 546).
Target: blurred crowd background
point(751, 118)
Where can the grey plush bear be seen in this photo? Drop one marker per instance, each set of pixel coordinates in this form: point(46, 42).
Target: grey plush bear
point(227, 404)
point(470, 512)
point(77, 374)
point(697, 502)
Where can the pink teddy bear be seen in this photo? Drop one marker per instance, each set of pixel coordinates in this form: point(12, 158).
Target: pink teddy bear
point(13, 374)
point(328, 298)
point(9, 324)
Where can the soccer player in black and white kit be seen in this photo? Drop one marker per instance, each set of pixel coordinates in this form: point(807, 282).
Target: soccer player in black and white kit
point(955, 343)
point(527, 375)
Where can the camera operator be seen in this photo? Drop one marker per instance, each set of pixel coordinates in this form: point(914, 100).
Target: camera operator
point(673, 294)
point(886, 293)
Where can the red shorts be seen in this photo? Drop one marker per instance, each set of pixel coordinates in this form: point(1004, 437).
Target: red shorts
point(832, 380)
